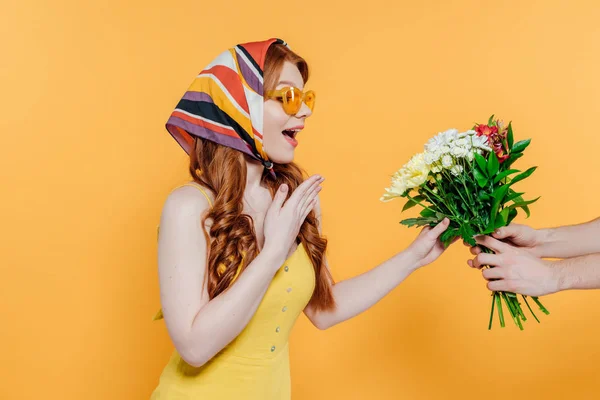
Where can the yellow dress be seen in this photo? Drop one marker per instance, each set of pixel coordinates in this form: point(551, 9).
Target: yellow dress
point(255, 365)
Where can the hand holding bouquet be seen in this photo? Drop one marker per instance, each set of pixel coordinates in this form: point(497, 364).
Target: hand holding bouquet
point(467, 178)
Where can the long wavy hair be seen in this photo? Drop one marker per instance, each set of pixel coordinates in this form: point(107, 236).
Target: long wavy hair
point(223, 170)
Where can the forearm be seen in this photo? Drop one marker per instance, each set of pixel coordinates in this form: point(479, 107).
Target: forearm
point(570, 241)
point(579, 273)
point(223, 318)
point(355, 295)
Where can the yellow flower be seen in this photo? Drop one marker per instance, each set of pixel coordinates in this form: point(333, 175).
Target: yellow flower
point(417, 171)
point(397, 188)
point(413, 174)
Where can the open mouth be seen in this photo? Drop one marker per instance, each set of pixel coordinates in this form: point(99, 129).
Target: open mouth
point(291, 133)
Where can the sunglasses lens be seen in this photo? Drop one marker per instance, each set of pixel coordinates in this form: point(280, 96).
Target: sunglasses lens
point(294, 100)
point(309, 99)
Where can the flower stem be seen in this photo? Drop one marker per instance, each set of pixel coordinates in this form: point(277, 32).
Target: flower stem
point(499, 307)
point(492, 313)
point(511, 309)
point(530, 310)
point(541, 306)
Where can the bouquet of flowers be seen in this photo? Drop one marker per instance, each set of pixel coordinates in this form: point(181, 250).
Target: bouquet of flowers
point(467, 178)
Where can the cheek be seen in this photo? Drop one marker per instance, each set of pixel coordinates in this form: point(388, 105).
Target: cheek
point(275, 120)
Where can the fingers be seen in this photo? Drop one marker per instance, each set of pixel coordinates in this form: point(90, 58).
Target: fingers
point(486, 259)
point(279, 197)
point(493, 244)
point(309, 202)
point(502, 285)
point(511, 230)
point(494, 273)
point(308, 209)
point(304, 187)
point(473, 249)
point(310, 194)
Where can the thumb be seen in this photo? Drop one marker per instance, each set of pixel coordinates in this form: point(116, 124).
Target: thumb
point(439, 228)
point(505, 232)
point(279, 197)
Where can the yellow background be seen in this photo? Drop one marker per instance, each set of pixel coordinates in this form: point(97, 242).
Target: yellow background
point(86, 164)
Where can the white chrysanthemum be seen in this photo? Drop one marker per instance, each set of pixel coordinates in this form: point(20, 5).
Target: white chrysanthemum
point(447, 161)
point(480, 142)
point(456, 170)
point(459, 151)
point(441, 139)
point(430, 158)
point(462, 143)
point(434, 144)
point(451, 135)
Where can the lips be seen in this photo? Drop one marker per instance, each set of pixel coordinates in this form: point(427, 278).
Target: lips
point(290, 135)
point(292, 132)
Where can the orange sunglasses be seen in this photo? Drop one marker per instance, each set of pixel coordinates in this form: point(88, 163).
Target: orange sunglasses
point(292, 99)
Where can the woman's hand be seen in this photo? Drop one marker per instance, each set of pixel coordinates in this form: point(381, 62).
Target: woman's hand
point(427, 247)
point(282, 223)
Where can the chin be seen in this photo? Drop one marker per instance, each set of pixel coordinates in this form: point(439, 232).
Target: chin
point(283, 160)
point(282, 157)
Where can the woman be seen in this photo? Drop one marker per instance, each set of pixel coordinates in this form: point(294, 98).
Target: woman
point(240, 250)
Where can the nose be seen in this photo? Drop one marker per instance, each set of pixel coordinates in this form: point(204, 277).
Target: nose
point(304, 111)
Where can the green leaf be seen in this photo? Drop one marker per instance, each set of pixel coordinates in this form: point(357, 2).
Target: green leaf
point(481, 179)
point(412, 202)
point(467, 233)
point(504, 174)
point(489, 228)
point(511, 215)
point(418, 221)
point(523, 205)
point(481, 162)
point(522, 176)
point(492, 165)
point(513, 195)
point(500, 192)
point(498, 196)
point(491, 120)
point(510, 135)
point(502, 219)
point(449, 235)
point(519, 199)
point(512, 158)
point(520, 146)
point(427, 213)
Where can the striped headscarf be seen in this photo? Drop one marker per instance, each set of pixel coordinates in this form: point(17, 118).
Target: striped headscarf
point(225, 103)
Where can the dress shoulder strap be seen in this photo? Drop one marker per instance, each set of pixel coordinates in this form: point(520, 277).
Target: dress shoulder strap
point(200, 188)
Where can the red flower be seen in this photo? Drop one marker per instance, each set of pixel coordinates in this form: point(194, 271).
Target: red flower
point(495, 139)
point(486, 130)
